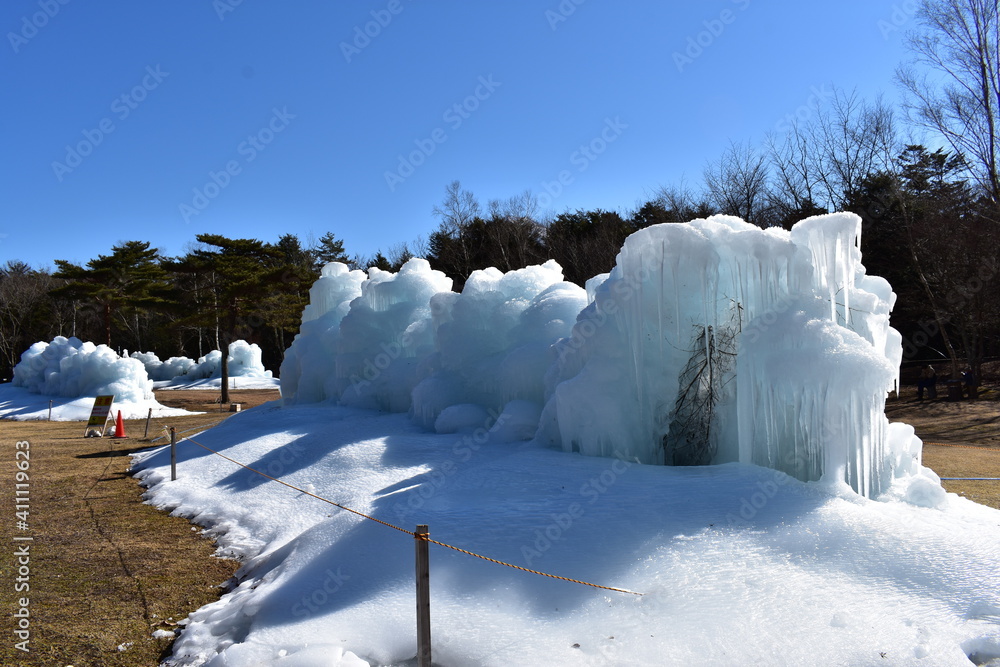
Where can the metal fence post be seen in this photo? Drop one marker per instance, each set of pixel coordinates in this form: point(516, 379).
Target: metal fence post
point(423, 598)
point(173, 453)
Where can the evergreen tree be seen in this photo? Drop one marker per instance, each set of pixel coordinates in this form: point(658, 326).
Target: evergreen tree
point(328, 249)
point(124, 284)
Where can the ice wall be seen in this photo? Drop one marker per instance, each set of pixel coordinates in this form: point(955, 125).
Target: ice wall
point(70, 367)
point(709, 342)
point(717, 341)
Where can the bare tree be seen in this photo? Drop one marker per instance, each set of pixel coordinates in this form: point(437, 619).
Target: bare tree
point(737, 183)
point(680, 204)
point(458, 211)
point(854, 138)
point(795, 177)
point(22, 292)
point(959, 42)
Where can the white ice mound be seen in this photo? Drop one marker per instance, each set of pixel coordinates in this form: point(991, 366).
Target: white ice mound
point(245, 360)
point(717, 341)
point(405, 342)
point(309, 369)
point(164, 370)
point(69, 367)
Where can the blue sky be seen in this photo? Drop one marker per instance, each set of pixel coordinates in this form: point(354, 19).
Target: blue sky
point(158, 121)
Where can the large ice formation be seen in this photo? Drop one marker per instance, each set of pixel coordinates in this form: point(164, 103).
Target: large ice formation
point(70, 367)
point(709, 342)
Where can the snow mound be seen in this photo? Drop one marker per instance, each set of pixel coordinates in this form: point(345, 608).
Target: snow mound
point(160, 371)
point(69, 367)
point(244, 361)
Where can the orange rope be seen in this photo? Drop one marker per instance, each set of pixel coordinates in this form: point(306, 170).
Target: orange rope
point(418, 536)
point(524, 569)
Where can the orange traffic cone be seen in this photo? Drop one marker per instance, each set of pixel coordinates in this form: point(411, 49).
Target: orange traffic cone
point(120, 426)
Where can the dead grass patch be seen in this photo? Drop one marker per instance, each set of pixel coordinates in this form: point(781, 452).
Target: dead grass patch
point(106, 570)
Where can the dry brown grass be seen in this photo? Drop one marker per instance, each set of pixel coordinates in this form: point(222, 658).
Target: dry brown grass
point(106, 570)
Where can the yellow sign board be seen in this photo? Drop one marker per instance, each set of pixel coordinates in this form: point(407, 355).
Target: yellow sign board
point(100, 413)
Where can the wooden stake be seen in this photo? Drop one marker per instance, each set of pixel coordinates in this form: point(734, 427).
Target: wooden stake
point(423, 598)
point(173, 454)
point(149, 416)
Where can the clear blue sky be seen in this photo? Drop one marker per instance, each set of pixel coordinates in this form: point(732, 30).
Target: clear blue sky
point(308, 113)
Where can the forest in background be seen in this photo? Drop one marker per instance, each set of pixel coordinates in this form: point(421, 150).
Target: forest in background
point(929, 210)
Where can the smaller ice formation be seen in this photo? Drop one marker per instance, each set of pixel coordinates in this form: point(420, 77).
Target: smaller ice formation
point(69, 367)
point(159, 371)
point(244, 361)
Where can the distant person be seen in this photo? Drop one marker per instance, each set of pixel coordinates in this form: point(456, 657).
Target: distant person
point(969, 381)
point(928, 381)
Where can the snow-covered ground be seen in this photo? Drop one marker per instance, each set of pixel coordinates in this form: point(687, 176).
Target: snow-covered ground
point(737, 564)
point(19, 403)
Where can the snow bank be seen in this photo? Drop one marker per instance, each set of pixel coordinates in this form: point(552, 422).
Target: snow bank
point(69, 367)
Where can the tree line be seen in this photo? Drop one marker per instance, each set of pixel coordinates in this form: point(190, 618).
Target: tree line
point(929, 215)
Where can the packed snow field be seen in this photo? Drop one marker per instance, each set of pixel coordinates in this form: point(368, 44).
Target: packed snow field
point(530, 419)
point(738, 564)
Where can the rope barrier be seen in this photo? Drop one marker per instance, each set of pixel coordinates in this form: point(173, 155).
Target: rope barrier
point(411, 533)
point(524, 569)
point(194, 428)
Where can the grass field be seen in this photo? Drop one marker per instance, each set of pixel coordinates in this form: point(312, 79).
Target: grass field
point(107, 571)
